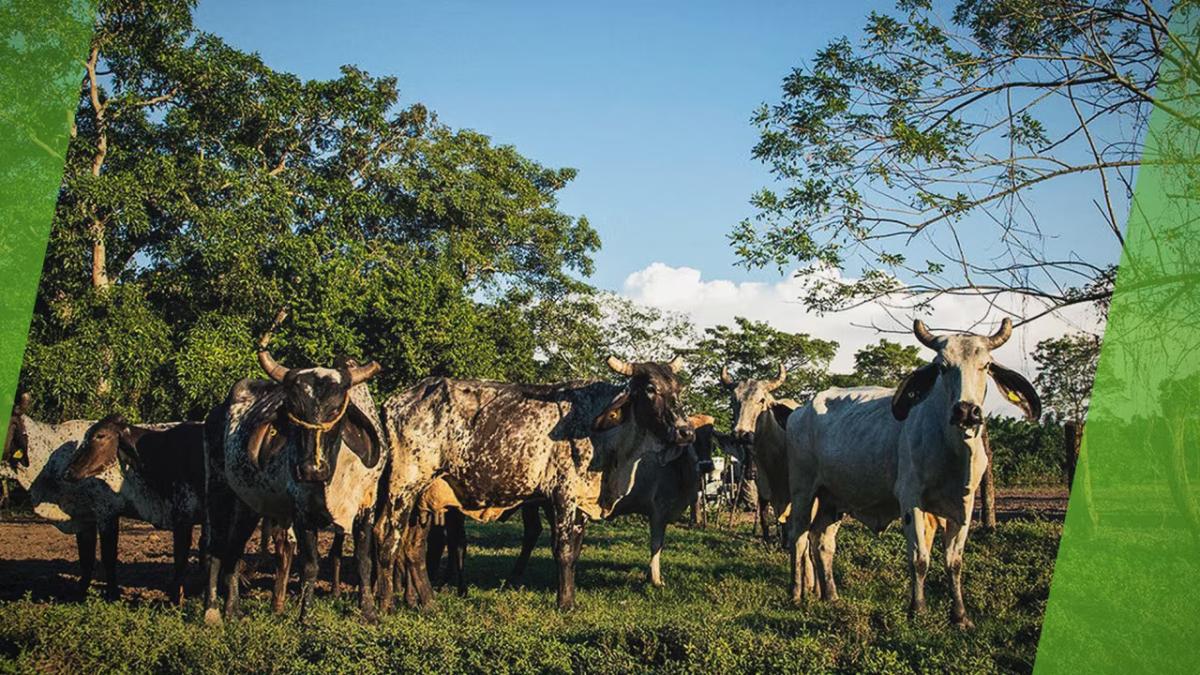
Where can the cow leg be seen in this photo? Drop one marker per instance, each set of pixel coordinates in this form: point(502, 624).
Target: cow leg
point(918, 556)
point(434, 548)
point(531, 519)
point(417, 590)
point(658, 533)
point(335, 562)
point(764, 520)
point(108, 556)
point(85, 542)
point(956, 541)
point(284, 553)
point(568, 539)
point(796, 534)
point(306, 538)
point(824, 531)
point(456, 538)
point(362, 556)
point(241, 529)
point(386, 534)
point(181, 544)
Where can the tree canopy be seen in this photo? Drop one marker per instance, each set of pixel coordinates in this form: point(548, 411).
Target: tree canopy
point(203, 190)
point(913, 158)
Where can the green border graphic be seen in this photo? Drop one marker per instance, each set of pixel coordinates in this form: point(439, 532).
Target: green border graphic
point(42, 45)
point(1126, 590)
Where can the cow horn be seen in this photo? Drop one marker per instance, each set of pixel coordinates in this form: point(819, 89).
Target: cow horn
point(774, 384)
point(23, 401)
point(275, 370)
point(360, 374)
point(676, 364)
point(726, 379)
point(923, 334)
point(1001, 336)
point(620, 367)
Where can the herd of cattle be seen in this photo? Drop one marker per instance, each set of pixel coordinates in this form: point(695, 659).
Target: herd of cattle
point(308, 449)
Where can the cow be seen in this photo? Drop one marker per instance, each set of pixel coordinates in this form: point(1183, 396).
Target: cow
point(759, 421)
point(162, 471)
point(881, 454)
point(451, 537)
point(36, 455)
point(495, 446)
point(302, 449)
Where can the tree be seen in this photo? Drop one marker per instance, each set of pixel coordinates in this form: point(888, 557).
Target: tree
point(203, 190)
point(1066, 371)
point(914, 158)
point(883, 364)
point(753, 349)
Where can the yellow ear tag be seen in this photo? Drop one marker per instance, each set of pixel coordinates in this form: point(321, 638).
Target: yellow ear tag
point(17, 454)
point(1012, 396)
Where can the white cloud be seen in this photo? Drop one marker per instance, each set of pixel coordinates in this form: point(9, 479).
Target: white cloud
point(718, 301)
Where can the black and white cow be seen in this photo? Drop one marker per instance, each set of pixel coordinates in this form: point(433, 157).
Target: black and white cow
point(487, 447)
point(302, 449)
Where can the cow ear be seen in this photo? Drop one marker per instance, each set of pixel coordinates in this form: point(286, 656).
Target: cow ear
point(781, 413)
point(1017, 390)
point(913, 389)
point(614, 414)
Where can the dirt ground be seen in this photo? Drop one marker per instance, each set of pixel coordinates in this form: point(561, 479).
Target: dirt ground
point(36, 558)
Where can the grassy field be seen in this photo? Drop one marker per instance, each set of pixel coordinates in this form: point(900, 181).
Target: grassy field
point(724, 610)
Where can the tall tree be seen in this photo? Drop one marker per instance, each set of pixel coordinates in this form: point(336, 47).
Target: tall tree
point(1066, 371)
point(914, 158)
point(204, 189)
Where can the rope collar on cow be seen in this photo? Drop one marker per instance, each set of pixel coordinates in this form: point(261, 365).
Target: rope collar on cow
point(321, 428)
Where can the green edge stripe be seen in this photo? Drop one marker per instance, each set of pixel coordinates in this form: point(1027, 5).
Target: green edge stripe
point(42, 49)
point(1126, 590)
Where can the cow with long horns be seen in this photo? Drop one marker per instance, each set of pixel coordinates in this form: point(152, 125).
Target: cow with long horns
point(486, 447)
point(303, 449)
point(881, 454)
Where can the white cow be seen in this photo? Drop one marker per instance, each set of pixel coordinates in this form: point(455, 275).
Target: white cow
point(881, 454)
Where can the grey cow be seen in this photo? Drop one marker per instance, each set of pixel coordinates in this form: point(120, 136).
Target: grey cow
point(881, 454)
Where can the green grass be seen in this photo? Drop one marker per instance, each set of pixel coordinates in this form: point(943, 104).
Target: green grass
point(724, 609)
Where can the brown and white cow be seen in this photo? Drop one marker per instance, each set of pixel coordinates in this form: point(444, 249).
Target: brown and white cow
point(496, 446)
point(302, 449)
point(162, 470)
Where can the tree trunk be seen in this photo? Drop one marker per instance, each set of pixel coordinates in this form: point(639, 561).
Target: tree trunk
point(1071, 438)
point(987, 488)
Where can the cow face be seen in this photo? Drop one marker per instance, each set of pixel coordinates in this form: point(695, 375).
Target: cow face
point(961, 368)
point(320, 416)
point(749, 400)
point(651, 401)
point(100, 448)
point(703, 445)
point(16, 441)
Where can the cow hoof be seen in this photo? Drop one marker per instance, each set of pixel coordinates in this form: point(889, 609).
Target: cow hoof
point(212, 617)
point(962, 622)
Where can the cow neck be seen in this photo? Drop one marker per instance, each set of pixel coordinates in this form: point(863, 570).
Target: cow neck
point(961, 461)
point(770, 453)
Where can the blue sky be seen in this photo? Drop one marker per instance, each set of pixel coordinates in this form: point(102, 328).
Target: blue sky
point(650, 101)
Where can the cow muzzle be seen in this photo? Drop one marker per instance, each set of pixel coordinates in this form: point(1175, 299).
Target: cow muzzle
point(309, 471)
point(966, 415)
point(683, 434)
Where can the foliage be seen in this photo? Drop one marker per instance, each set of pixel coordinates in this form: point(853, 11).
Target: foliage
point(753, 349)
point(914, 157)
point(883, 364)
point(1026, 454)
point(203, 190)
point(725, 609)
point(1066, 371)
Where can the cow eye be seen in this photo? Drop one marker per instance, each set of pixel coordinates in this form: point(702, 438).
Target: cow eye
point(650, 389)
